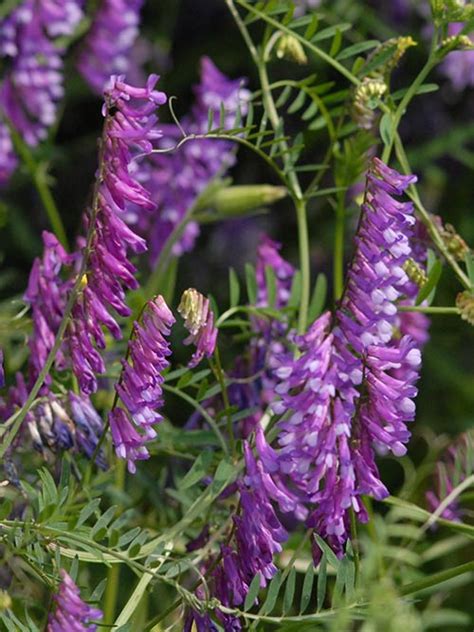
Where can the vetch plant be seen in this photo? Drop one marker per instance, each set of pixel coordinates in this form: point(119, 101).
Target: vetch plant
point(284, 472)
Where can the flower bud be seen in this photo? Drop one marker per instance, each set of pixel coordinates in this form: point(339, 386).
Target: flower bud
point(238, 200)
point(465, 304)
point(415, 273)
point(290, 48)
point(454, 242)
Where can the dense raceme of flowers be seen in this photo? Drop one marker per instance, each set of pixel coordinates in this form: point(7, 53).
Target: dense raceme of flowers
point(129, 123)
point(107, 47)
point(199, 321)
point(176, 179)
point(139, 387)
point(33, 85)
point(454, 467)
point(349, 392)
point(71, 613)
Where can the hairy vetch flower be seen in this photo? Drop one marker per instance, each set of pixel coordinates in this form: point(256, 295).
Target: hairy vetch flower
point(455, 465)
point(107, 47)
point(33, 84)
point(176, 179)
point(129, 123)
point(199, 321)
point(139, 387)
point(349, 392)
point(71, 613)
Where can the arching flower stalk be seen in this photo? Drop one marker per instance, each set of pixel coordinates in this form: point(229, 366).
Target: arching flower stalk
point(139, 387)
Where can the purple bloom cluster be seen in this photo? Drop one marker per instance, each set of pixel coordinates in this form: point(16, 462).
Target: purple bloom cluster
point(32, 87)
point(71, 614)
point(459, 64)
point(349, 392)
point(47, 295)
point(129, 123)
point(107, 47)
point(199, 321)
point(139, 387)
point(456, 464)
point(176, 179)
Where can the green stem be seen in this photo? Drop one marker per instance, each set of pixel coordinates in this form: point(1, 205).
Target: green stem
point(338, 256)
point(436, 578)
point(355, 543)
point(202, 411)
point(305, 267)
point(428, 310)
point(113, 574)
point(39, 178)
point(220, 376)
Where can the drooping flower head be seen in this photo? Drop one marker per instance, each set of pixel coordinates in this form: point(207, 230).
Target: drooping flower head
point(71, 614)
point(199, 321)
point(139, 387)
point(107, 47)
point(33, 84)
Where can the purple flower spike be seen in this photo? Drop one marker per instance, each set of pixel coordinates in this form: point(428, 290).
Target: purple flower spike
point(140, 385)
point(176, 179)
point(130, 123)
point(107, 48)
point(71, 614)
point(33, 85)
point(349, 392)
point(199, 321)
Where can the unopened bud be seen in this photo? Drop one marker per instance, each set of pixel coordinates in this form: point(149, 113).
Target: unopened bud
point(454, 242)
point(238, 200)
point(199, 321)
point(415, 272)
point(5, 600)
point(291, 48)
point(465, 305)
point(366, 99)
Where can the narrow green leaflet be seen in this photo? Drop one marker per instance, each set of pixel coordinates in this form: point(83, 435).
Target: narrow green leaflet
point(307, 588)
point(289, 590)
point(254, 589)
point(234, 288)
point(318, 298)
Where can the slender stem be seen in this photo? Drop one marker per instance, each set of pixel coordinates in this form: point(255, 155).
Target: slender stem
point(220, 376)
point(428, 310)
point(202, 411)
point(436, 578)
point(113, 574)
point(304, 254)
point(338, 256)
point(355, 543)
point(38, 175)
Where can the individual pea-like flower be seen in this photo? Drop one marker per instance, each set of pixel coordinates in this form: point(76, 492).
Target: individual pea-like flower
point(176, 179)
point(455, 465)
point(139, 386)
point(129, 123)
point(107, 48)
point(71, 613)
point(199, 321)
point(33, 84)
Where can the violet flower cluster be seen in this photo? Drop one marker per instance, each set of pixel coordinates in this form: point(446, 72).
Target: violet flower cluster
point(349, 392)
point(139, 387)
point(455, 465)
point(130, 123)
point(106, 49)
point(71, 613)
point(33, 85)
point(176, 179)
